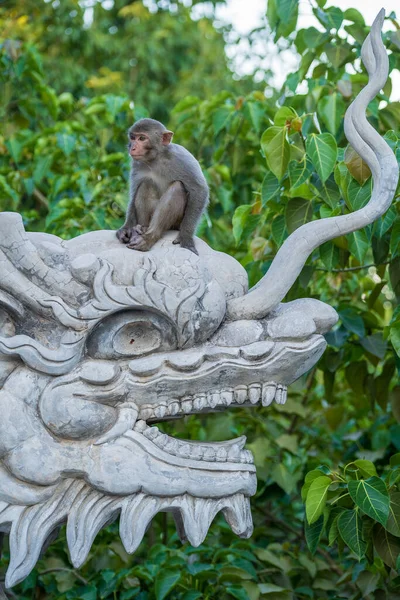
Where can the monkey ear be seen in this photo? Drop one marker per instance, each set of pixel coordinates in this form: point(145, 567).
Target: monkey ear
point(167, 137)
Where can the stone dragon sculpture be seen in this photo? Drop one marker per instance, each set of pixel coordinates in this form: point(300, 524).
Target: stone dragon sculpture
point(98, 342)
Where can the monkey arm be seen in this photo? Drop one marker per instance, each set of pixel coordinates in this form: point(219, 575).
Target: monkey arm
point(125, 233)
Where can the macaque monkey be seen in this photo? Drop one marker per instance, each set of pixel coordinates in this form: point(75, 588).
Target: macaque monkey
point(167, 189)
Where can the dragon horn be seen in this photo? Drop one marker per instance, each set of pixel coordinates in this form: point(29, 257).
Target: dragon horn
point(291, 257)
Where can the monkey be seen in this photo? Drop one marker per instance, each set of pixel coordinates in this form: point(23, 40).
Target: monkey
point(167, 189)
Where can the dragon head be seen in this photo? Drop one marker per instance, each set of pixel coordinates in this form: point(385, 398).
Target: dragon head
point(98, 343)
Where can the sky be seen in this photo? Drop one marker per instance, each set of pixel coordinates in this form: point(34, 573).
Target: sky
point(246, 15)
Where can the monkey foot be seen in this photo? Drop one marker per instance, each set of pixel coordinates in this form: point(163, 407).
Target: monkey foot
point(188, 244)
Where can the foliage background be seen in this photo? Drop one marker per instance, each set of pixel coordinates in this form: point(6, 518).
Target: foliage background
point(69, 90)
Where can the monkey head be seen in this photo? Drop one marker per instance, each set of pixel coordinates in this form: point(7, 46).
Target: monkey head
point(147, 138)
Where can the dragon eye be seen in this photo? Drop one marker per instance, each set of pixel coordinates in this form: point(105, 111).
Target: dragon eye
point(131, 333)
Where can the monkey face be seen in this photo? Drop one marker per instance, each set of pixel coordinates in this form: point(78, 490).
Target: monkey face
point(140, 146)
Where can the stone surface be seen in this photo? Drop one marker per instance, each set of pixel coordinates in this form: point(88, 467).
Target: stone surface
point(98, 343)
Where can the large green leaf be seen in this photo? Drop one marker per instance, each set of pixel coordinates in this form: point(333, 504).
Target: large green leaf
point(299, 172)
point(298, 211)
point(337, 53)
point(313, 533)
point(372, 497)
point(243, 221)
point(322, 150)
point(350, 528)
point(331, 110)
point(316, 498)
point(165, 581)
point(269, 188)
point(393, 522)
point(358, 196)
point(314, 37)
point(276, 149)
point(358, 244)
point(386, 545)
point(66, 142)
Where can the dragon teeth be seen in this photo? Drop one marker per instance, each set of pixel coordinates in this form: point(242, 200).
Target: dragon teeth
point(240, 394)
point(152, 433)
point(146, 413)
point(193, 516)
point(254, 393)
point(282, 394)
point(222, 454)
point(227, 397)
point(212, 400)
point(268, 393)
point(187, 405)
point(160, 411)
point(200, 402)
point(237, 513)
point(140, 426)
point(209, 454)
point(174, 408)
point(234, 453)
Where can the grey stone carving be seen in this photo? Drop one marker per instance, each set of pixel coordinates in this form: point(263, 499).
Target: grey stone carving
point(99, 342)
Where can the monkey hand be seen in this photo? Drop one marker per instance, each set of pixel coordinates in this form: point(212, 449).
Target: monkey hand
point(124, 234)
point(187, 243)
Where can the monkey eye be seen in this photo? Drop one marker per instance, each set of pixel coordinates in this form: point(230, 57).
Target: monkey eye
point(142, 138)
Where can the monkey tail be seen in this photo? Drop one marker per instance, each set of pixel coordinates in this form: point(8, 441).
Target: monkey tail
point(291, 257)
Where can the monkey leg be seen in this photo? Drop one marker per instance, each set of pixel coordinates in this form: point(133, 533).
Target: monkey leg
point(167, 215)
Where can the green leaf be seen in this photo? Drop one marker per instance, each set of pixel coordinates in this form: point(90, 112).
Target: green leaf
point(331, 110)
point(332, 17)
point(114, 104)
point(314, 38)
point(269, 188)
point(299, 172)
point(358, 196)
point(316, 498)
point(393, 522)
point(257, 114)
point(283, 478)
point(278, 229)
point(375, 344)
point(386, 545)
point(329, 254)
point(41, 168)
point(366, 467)
point(350, 529)
point(395, 239)
point(284, 114)
point(313, 533)
point(66, 142)
point(322, 150)
point(372, 497)
point(165, 581)
point(221, 119)
point(286, 9)
point(15, 148)
point(276, 149)
point(352, 321)
point(358, 244)
point(352, 14)
point(338, 54)
point(298, 211)
point(243, 221)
